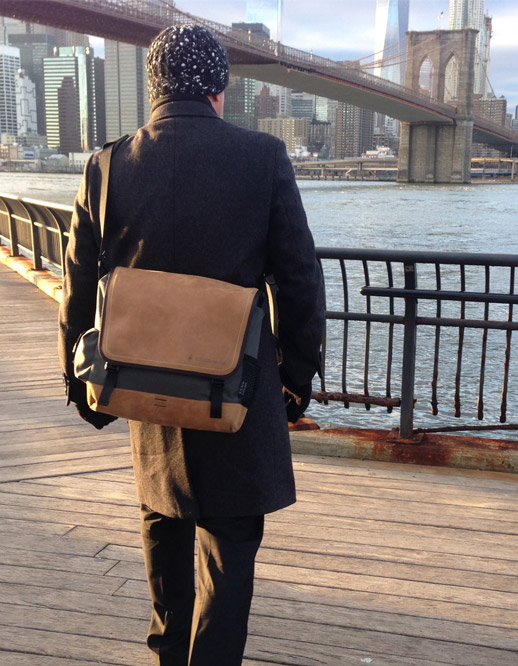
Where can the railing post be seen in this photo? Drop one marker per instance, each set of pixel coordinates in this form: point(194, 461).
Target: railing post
point(409, 354)
point(35, 241)
point(13, 232)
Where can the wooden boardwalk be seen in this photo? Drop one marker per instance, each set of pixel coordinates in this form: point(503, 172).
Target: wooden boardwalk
point(381, 564)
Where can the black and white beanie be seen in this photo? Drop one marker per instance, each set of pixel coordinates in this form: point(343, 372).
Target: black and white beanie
point(186, 59)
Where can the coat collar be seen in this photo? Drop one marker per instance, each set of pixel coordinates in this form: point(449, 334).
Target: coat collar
point(169, 107)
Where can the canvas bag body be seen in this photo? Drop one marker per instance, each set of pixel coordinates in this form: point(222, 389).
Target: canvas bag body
point(172, 349)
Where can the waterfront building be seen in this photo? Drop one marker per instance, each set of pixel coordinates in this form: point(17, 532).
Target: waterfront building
point(302, 105)
point(70, 98)
point(284, 97)
point(27, 118)
point(240, 99)
point(293, 131)
point(9, 66)
point(319, 133)
point(494, 109)
point(125, 88)
point(321, 108)
point(354, 130)
point(470, 14)
point(266, 105)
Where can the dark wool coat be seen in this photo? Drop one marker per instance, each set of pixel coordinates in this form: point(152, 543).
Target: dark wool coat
point(191, 193)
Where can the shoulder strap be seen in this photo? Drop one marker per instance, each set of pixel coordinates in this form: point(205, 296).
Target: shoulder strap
point(104, 165)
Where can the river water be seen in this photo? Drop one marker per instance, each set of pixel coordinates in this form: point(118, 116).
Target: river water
point(386, 215)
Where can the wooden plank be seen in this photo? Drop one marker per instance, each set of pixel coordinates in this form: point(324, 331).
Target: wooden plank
point(73, 622)
point(14, 526)
point(108, 536)
point(119, 653)
point(41, 543)
point(34, 516)
point(471, 519)
point(382, 535)
point(62, 457)
point(8, 658)
point(96, 603)
point(59, 433)
point(327, 647)
point(383, 489)
point(308, 593)
point(59, 580)
point(59, 468)
point(448, 476)
point(336, 528)
point(55, 561)
point(368, 582)
point(75, 488)
point(65, 446)
point(60, 505)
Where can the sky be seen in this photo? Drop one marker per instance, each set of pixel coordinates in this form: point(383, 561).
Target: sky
point(344, 30)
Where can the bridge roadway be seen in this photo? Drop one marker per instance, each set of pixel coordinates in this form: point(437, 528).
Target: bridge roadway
point(377, 563)
point(138, 22)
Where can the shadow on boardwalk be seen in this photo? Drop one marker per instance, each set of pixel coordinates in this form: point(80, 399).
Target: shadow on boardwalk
point(376, 564)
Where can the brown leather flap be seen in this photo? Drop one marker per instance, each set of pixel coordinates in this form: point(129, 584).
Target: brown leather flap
point(174, 321)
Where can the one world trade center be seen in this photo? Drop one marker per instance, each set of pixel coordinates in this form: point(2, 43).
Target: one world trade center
point(390, 39)
point(268, 12)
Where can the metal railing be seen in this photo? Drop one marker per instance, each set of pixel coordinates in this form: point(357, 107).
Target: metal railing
point(458, 291)
point(35, 228)
point(397, 339)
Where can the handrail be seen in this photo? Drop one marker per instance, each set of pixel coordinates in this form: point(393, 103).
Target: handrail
point(370, 288)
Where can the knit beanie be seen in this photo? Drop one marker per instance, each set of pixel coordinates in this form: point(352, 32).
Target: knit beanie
point(186, 59)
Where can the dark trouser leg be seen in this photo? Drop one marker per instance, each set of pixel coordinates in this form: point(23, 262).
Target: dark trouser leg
point(168, 545)
point(226, 554)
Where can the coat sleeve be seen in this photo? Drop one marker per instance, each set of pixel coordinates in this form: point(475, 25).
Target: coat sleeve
point(77, 307)
point(300, 297)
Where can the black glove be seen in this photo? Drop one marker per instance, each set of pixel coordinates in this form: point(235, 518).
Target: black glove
point(76, 392)
point(296, 396)
point(97, 419)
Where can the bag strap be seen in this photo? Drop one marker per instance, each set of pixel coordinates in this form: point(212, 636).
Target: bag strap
point(104, 166)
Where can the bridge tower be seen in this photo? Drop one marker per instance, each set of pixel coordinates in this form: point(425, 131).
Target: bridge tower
point(439, 152)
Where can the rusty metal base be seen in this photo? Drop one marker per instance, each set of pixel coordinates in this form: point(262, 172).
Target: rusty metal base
point(430, 449)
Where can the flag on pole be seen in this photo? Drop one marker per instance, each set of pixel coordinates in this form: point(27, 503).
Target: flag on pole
point(441, 16)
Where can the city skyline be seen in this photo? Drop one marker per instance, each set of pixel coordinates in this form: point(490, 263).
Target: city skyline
point(345, 29)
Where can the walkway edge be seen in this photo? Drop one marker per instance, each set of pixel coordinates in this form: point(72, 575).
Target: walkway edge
point(43, 279)
point(441, 450)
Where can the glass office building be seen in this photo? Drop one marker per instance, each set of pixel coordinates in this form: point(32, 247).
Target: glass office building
point(470, 14)
point(390, 39)
point(9, 66)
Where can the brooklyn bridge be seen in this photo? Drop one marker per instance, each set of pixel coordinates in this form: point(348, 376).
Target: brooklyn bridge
point(436, 134)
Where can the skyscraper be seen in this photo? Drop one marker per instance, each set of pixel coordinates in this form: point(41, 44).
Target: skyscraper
point(268, 12)
point(390, 39)
point(9, 66)
point(127, 107)
point(69, 81)
point(470, 14)
point(25, 104)
point(354, 130)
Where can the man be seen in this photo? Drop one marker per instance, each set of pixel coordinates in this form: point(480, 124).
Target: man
point(190, 193)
